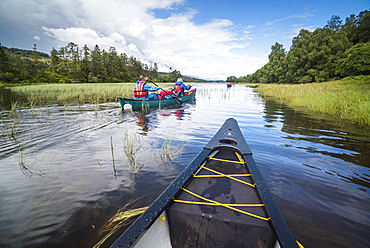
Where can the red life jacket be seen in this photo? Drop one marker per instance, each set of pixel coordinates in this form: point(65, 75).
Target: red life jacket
point(139, 90)
point(178, 88)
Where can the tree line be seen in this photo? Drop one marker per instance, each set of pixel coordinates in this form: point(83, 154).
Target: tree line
point(335, 51)
point(72, 64)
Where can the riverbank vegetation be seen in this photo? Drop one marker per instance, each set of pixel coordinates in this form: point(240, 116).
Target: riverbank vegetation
point(348, 98)
point(71, 93)
point(330, 53)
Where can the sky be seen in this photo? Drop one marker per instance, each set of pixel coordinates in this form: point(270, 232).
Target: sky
point(208, 39)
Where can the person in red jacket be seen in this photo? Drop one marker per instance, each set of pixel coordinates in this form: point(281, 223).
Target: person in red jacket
point(141, 90)
point(180, 87)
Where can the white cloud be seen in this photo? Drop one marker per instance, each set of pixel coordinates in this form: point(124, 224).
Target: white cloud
point(130, 26)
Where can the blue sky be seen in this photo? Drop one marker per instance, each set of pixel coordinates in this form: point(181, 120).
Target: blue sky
point(208, 39)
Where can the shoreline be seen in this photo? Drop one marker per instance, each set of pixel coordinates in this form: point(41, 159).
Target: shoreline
point(347, 99)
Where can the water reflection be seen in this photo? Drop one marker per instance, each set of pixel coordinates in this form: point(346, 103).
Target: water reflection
point(6, 98)
point(142, 121)
point(326, 137)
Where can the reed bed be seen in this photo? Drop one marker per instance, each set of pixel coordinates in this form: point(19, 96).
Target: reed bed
point(67, 93)
point(347, 99)
point(80, 93)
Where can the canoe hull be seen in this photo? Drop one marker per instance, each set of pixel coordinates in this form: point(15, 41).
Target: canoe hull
point(219, 200)
point(155, 104)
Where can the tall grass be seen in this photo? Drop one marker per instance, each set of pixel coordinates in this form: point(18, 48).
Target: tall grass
point(347, 99)
point(80, 93)
point(72, 93)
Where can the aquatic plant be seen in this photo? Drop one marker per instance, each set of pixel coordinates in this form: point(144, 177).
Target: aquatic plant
point(112, 148)
point(131, 146)
point(32, 108)
point(168, 152)
point(13, 130)
point(120, 219)
point(27, 170)
point(14, 109)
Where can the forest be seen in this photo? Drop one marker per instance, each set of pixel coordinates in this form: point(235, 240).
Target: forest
point(70, 64)
point(333, 52)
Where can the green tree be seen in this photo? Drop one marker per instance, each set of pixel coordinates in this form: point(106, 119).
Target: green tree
point(335, 23)
point(232, 79)
point(358, 27)
point(174, 75)
point(85, 64)
point(97, 70)
point(363, 28)
point(276, 67)
point(356, 61)
point(5, 65)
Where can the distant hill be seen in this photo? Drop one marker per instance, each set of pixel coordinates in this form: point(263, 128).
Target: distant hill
point(25, 53)
point(194, 79)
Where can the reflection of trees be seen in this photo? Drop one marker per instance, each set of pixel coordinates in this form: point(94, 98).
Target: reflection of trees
point(6, 98)
point(352, 142)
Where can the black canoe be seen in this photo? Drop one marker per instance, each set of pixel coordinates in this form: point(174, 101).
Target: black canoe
point(219, 200)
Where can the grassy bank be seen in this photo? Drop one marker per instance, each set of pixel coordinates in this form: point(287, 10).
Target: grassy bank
point(347, 99)
point(74, 93)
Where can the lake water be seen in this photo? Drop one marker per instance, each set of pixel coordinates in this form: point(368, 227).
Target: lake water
point(65, 172)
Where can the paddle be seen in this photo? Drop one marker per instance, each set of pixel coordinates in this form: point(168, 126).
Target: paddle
point(172, 97)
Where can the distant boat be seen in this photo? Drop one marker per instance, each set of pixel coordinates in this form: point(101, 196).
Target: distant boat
point(127, 103)
point(229, 85)
point(219, 200)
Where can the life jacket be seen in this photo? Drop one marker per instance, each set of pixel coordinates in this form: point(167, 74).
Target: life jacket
point(139, 90)
point(178, 88)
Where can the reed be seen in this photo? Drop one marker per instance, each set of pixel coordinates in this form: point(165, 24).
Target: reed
point(120, 219)
point(14, 109)
point(346, 99)
point(112, 149)
point(32, 107)
point(22, 161)
point(13, 131)
point(168, 152)
point(131, 146)
point(27, 170)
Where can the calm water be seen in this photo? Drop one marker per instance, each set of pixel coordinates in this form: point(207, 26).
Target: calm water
point(64, 170)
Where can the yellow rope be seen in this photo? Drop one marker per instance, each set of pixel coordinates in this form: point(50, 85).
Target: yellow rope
point(299, 244)
point(231, 177)
point(217, 204)
point(229, 161)
point(226, 206)
point(239, 157)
